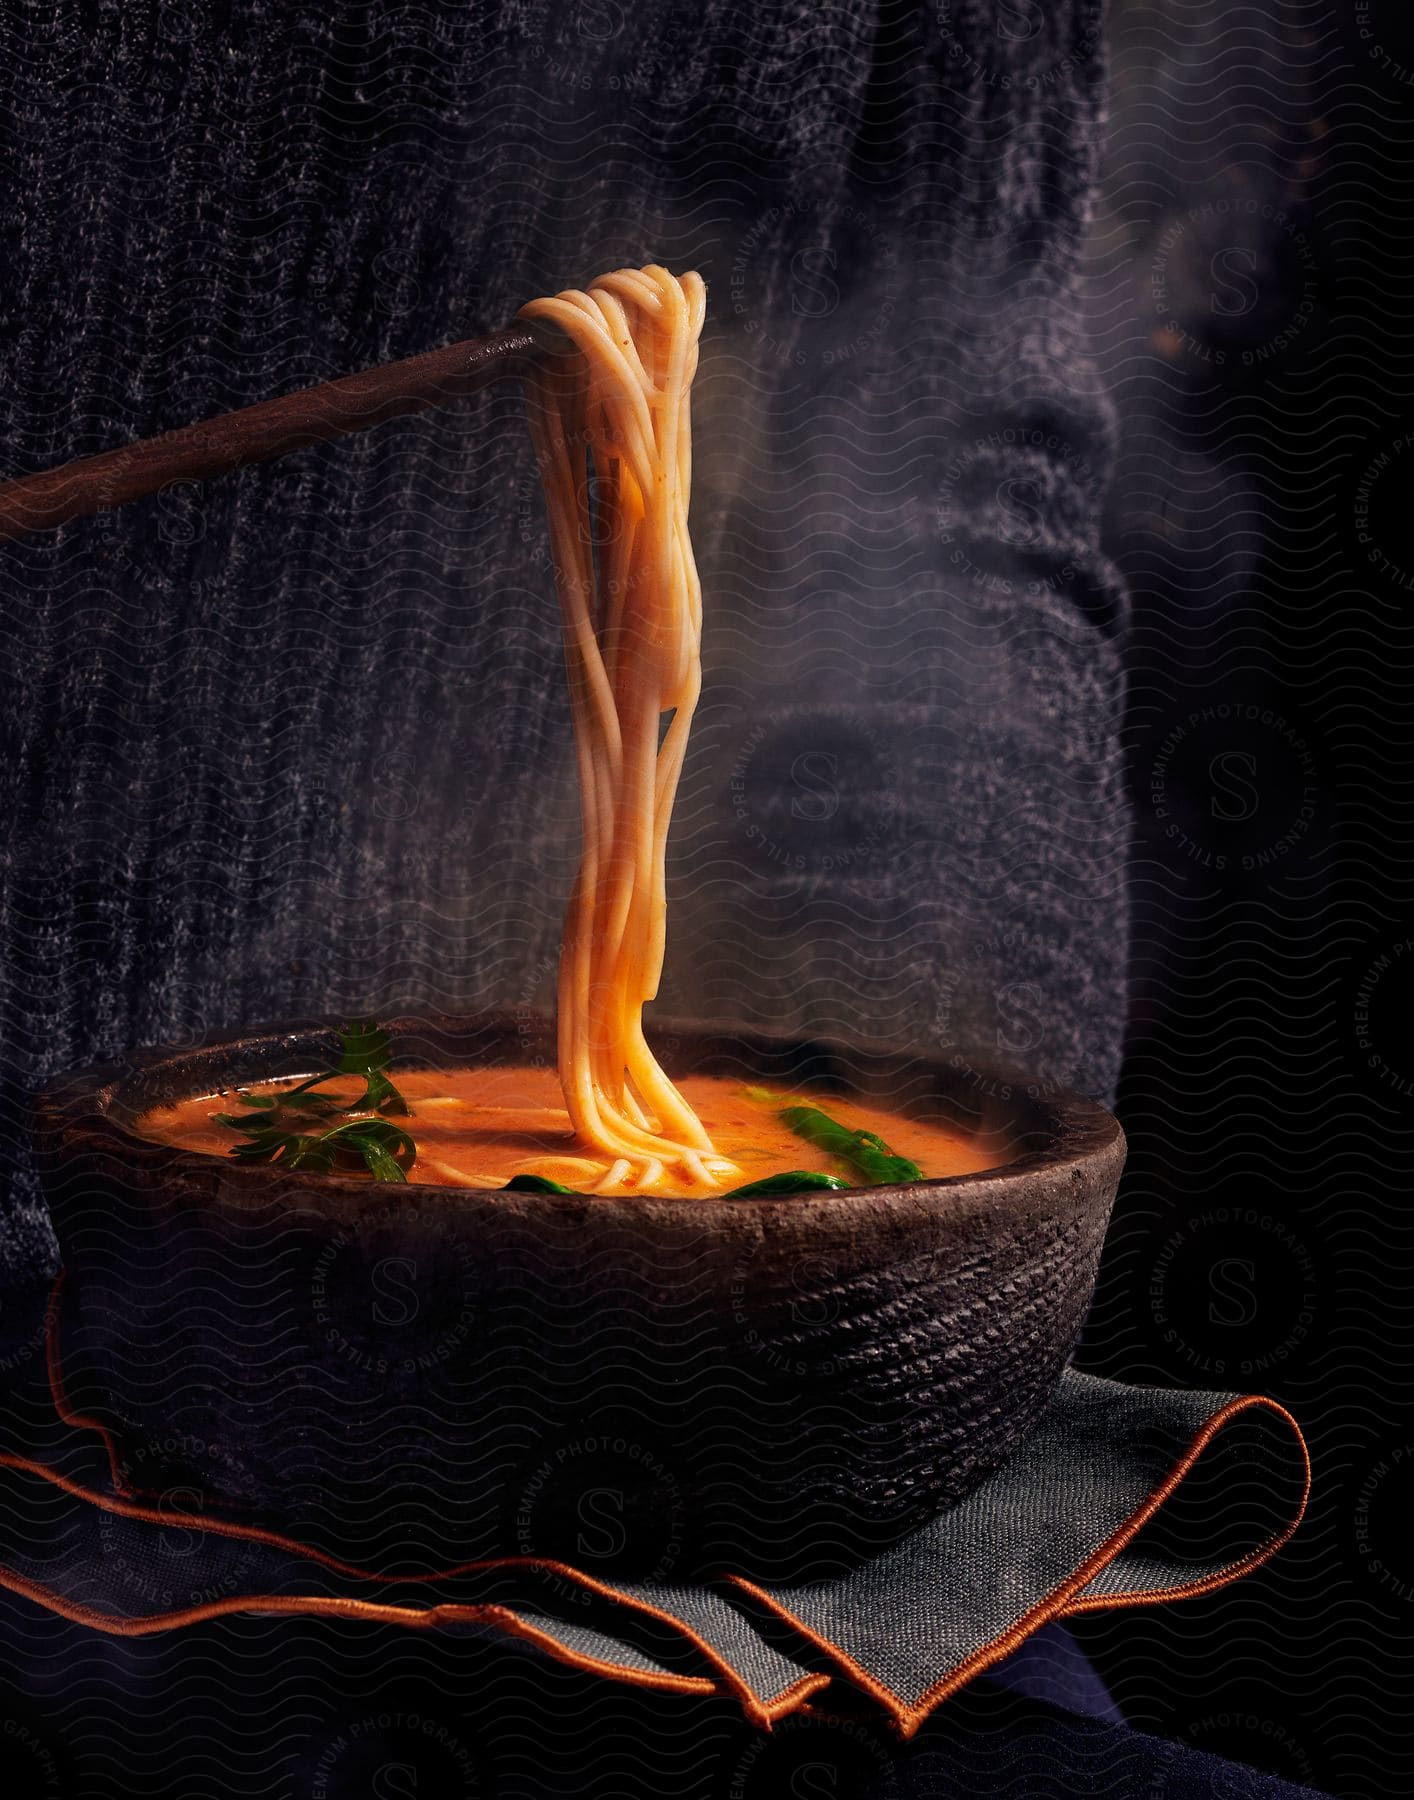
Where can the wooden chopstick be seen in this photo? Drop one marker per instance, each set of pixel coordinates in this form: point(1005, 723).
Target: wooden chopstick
point(257, 433)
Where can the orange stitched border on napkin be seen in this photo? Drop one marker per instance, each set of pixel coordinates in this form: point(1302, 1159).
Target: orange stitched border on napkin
point(1067, 1597)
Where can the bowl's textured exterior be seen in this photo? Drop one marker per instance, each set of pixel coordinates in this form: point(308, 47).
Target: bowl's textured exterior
point(662, 1386)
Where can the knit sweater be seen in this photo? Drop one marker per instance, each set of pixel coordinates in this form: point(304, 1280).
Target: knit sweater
point(295, 742)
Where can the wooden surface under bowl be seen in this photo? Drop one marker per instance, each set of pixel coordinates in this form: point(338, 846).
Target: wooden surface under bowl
point(635, 1384)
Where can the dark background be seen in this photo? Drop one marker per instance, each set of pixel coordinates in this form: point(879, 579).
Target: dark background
point(1249, 278)
point(1242, 296)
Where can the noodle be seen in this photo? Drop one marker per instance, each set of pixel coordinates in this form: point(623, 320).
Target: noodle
point(616, 402)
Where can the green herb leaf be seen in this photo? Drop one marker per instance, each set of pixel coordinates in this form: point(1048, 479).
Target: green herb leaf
point(381, 1096)
point(366, 1047)
point(378, 1141)
point(865, 1153)
point(278, 1127)
point(793, 1181)
point(256, 1122)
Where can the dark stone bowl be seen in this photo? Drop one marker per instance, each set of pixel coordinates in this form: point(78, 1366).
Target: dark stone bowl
point(634, 1384)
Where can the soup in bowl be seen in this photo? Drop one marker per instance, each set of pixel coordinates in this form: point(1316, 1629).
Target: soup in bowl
point(772, 1379)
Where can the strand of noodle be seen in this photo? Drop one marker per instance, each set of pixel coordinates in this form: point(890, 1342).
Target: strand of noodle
point(644, 287)
point(590, 331)
point(617, 325)
point(588, 682)
point(574, 578)
point(631, 656)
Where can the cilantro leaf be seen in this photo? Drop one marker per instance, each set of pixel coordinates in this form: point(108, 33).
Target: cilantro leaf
point(302, 1128)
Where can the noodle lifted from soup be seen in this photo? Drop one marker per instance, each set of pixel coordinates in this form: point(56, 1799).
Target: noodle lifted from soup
point(631, 606)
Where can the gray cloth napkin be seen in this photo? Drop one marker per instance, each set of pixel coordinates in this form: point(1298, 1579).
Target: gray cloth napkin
point(1119, 1495)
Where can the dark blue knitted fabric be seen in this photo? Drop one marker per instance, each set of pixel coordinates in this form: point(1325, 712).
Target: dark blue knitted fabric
point(294, 743)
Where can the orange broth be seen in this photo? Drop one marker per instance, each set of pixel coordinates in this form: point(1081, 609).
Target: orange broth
point(479, 1127)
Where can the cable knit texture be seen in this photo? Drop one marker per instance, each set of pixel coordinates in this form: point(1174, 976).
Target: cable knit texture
point(296, 741)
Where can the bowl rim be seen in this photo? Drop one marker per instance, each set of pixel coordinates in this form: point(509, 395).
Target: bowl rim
point(75, 1110)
